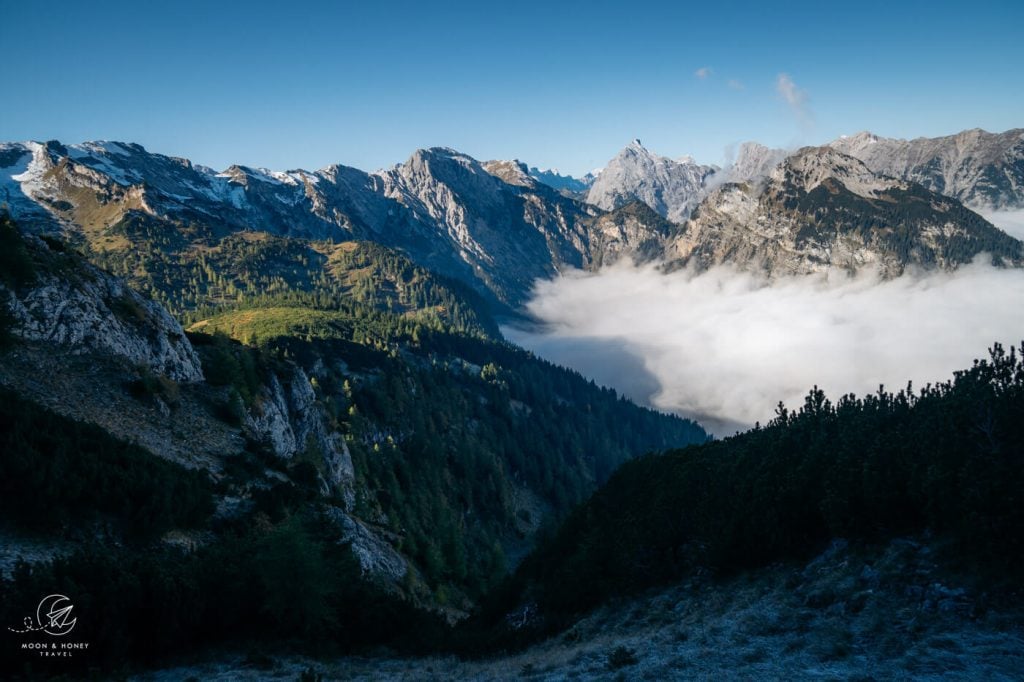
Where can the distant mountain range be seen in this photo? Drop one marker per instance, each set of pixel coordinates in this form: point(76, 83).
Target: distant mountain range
point(567, 183)
point(820, 208)
point(983, 170)
point(500, 225)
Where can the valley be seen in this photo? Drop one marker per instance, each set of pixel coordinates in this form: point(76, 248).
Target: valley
point(293, 400)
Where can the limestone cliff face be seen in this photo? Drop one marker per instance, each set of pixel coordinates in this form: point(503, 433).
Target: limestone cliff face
point(83, 309)
point(753, 163)
point(671, 187)
point(490, 224)
point(633, 231)
point(981, 169)
point(821, 208)
point(288, 419)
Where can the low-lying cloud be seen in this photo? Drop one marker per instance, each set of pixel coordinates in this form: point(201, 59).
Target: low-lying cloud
point(1011, 222)
point(726, 346)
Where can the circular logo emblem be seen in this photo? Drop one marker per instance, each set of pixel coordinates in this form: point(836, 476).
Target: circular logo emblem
point(54, 615)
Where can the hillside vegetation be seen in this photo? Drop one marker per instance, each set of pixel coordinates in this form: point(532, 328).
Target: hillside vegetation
point(462, 446)
point(948, 460)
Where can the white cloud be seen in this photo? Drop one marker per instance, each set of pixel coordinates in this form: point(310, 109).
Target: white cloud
point(735, 84)
point(1010, 222)
point(703, 72)
point(795, 97)
point(726, 347)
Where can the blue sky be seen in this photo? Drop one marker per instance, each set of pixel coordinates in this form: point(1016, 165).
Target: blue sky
point(305, 84)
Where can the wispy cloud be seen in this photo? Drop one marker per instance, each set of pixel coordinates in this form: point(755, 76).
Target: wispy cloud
point(725, 346)
point(795, 97)
point(735, 84)
point(703, 72)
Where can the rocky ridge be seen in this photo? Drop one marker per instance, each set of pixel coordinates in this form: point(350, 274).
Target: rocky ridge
point(443, 209)
point(983, 170)
point(493, 225)
point(82, 309)
point(81, 336)
point(820, 208)
point(671, 187)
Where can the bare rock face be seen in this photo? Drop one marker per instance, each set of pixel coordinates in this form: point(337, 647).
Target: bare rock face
point(494, 227)
point(632, 231)
point(566, 184)
point(753, 163)
point(511, 172)
point(376, 557)
point(81, 308)
point(270, 422)
point(981, 169)
point(508, 234)
point(821, 208)
point(672, 188)
point(289, 420)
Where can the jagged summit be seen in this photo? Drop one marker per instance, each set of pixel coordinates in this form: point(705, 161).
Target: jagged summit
point(513, 172)
point(981, 169)
point(753, 162)
point(672, 188)
point(821, 208)
point(494, 225)
point(565, 183)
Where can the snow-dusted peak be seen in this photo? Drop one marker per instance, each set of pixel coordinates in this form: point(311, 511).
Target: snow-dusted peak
point(105, 148)
point(855, 144)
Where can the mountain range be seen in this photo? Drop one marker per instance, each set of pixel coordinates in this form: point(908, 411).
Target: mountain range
point(298, 378)
point(497, 226)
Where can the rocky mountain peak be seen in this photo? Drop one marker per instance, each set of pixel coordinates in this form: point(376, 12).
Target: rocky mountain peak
point(982, 169)
point(821, 208)
point(448, 166)
point(513, 172)
point(566, 183)
point(753, 162)
point(672, 188)
point(811, 166)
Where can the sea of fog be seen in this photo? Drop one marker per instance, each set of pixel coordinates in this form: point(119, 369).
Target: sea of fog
point(725, 346)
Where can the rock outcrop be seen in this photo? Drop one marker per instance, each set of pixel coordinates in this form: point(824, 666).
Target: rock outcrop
point(983, 170)
point(83, 309)
point(290, 421)
point(820, 208)
point(671, 187)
